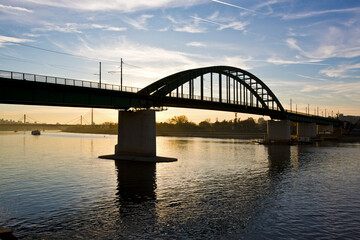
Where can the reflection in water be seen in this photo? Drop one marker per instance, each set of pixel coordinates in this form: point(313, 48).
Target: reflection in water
point(279, 159)
point(136, 181)
point(136, 198)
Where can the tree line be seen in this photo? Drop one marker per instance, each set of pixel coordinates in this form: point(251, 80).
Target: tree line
point(182, 123)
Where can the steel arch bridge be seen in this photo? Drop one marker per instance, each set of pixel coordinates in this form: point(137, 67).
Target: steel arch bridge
point(216, 87)
point(221, 88)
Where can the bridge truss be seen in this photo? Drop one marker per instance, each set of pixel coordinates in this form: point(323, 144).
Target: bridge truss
point(222, 84)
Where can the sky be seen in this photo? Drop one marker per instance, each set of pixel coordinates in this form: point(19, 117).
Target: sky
point(306, 51)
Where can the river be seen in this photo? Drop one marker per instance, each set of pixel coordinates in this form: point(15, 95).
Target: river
point(53, 186)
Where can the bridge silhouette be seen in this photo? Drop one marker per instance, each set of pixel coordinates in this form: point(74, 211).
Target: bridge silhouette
point(223, 88)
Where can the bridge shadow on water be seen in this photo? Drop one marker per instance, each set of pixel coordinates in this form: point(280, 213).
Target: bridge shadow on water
point(136, 181)
point(136, 198)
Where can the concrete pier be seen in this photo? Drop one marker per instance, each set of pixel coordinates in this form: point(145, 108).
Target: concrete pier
point(278, 131)
point(325, 129)
point(137, 138)
point(306, 131)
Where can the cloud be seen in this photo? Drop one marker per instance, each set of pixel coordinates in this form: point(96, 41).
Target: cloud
point(333, 42)
point(5, 40)
point(340, 71)
point(116, 5)
point(232, 5)
point(316, 13)
point(14, 10)
point(75, 28)
point(196, 44)
point(278, 61)
point(139, 23)
point(240, 26)
point(291, 42)
point(148, 69)
point(192, 26)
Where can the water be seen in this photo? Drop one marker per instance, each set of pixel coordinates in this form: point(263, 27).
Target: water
point(53, 186)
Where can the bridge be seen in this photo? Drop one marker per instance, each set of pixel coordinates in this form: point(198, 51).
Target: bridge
point(221, 88)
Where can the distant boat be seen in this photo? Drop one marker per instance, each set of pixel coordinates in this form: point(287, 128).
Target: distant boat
point(35, 132)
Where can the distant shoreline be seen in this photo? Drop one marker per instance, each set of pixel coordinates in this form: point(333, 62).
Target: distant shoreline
point(178, 134)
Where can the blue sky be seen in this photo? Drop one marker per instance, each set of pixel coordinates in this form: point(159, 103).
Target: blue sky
point(307, 51)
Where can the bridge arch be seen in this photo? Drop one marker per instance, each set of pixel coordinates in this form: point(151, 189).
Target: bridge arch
point(224, 84)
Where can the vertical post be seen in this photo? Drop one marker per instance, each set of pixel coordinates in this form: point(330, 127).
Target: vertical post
point(308, 109)
point(290, 104)
point(100, 74)
point(227, 88)
point(234, 89)
point(202, 87)
point(92, 116)
point(220, 93)
point(182, 91)
point(211, 86)
point(80, 119)
point(24, 118)
point(237, 91)
point(121, 73)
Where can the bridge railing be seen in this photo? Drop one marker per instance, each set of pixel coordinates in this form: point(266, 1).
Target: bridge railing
point(65, 81)
point(209, 99)
point(310, 115)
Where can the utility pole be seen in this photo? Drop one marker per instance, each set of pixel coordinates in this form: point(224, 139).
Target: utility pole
point(308, 109)
point(121, 74)
point(24, 118)
point(290, 105)
point(92, 116)
point(100, 73)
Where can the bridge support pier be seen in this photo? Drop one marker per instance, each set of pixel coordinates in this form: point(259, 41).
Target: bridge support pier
point(306, 131)
point(137, 138)
point(325, 129)
point(278, 131)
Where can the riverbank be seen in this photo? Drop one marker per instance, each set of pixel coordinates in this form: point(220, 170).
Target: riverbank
point(204, 134)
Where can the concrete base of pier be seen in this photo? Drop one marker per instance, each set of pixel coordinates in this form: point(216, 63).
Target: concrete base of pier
point(137, 138)
point(278, 131)
point(325, 129)
point(155, 159)
point(306, 130)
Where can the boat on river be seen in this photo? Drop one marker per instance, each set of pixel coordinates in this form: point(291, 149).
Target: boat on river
point(35, 132)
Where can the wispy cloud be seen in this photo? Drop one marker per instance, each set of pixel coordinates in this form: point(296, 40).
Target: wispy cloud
point(151, 68)
point(333, 42)
point(316, 13)
point(139, 23)
point(279, 61)
point(341, 71)
point(191, 26)
point(196, 44)
point(116, 5)
point(13, 10)
point(75, 27)
point(236, 25)
point(232, 5)
point(240, 26)
point(5, 40)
